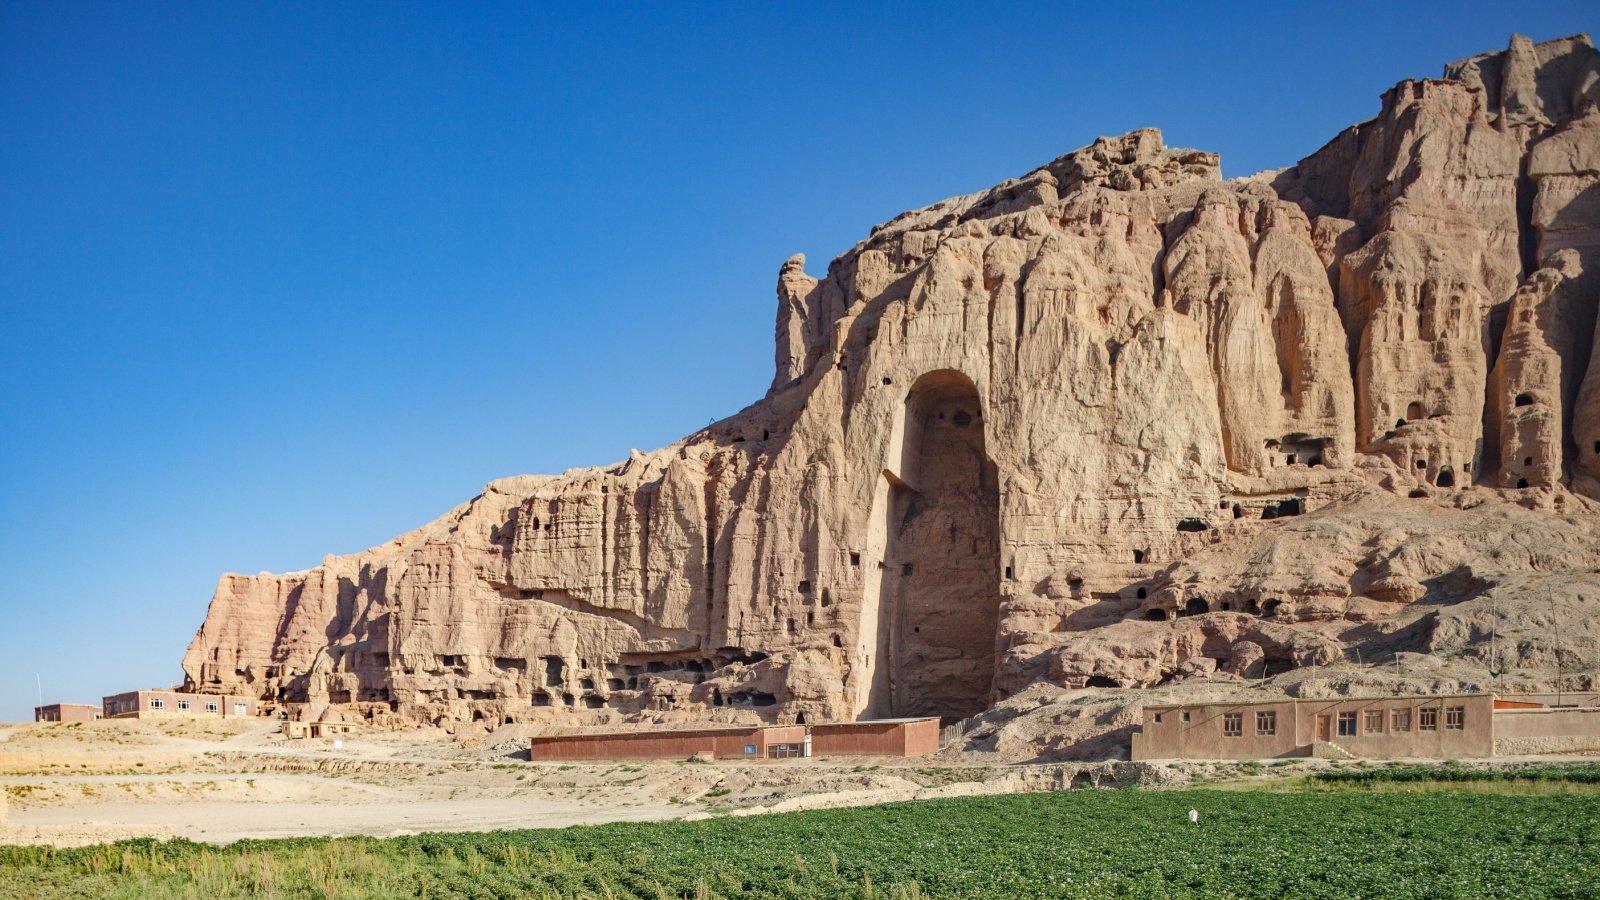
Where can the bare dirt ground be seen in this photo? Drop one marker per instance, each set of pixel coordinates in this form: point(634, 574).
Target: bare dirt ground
point(222, 781)
point(225, 780)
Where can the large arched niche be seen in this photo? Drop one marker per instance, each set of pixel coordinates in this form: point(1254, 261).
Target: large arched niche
point(932, 609)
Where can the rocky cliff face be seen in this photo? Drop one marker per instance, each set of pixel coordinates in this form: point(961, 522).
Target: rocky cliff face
point(1113, 423)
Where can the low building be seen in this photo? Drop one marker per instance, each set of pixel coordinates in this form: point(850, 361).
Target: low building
point(298, 730)
point(886, 737)
point(723, 742)
point(876, 737)
point(66, 712)
point(169, 704)
point(1430, 727)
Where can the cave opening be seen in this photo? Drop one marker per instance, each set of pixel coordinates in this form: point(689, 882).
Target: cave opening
point(929, 634)
point(1101, 681)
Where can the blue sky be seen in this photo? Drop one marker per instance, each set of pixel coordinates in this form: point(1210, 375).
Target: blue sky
point(285, 280)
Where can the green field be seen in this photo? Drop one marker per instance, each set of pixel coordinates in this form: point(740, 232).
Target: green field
point(1114, 843)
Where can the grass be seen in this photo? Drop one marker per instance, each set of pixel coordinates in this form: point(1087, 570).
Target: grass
point(1075, 844)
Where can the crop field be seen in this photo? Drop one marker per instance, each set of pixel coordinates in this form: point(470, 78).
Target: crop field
point(1114, 843)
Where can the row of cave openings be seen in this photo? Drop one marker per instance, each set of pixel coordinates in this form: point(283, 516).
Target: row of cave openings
point(1297, 450)
point(626, 679)
point(1199, 606)
point(1291, 506)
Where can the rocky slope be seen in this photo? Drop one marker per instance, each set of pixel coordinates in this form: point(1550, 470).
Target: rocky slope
point(1115, 423)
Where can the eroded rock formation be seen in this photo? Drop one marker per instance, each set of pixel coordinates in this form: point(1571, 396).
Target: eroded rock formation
point(1116, 422)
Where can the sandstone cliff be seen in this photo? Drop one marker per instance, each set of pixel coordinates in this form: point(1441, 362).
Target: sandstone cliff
point(1116, 422)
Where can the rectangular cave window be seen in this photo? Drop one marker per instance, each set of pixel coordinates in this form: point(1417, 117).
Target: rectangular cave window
point(1233, 724)
point(1455, 718)
point(1400, 720)
point(855, 558)
point(905, 569)
point(1266, 724)
point(1009, 574)
point(1347, 724)
point(1158, 718)
point(1374, 722)
point(805, 587)
point(1428, 719)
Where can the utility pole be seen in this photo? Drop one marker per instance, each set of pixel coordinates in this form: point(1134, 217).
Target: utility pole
point(39, 682)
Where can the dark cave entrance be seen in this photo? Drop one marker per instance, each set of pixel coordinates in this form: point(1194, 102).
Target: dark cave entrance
point(938, 594)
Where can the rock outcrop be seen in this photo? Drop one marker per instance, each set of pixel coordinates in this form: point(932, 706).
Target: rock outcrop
point(1114, 423)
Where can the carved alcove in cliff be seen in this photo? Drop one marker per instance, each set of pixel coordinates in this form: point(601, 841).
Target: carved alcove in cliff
point(936, 517)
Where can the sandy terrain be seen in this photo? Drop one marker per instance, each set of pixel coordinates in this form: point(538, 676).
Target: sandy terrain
point(68, 784)
point(219, 782)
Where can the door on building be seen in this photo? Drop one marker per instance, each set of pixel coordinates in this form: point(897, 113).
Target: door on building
point(1324, 728)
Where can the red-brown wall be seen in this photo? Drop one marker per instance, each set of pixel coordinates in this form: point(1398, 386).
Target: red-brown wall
point(890, 738)
point(141, 705)
point(66, 712)
point(722, 743)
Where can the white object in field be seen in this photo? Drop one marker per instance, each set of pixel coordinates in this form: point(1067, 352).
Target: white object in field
point(339, 745)
point(1194, 817)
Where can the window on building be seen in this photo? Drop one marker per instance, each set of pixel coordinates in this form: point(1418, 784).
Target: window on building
point(238, 709)
point(1455, 718)
point(1266, 724)
point(1400, 720)
point(183, 705)
point(1347, 724)
point(1233, 724)
point(211, 706)
point(1428, 719)
point(1374, 723)
point(157, 703)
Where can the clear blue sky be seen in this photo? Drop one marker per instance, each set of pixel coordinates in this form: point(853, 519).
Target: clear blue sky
point(283, 280)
